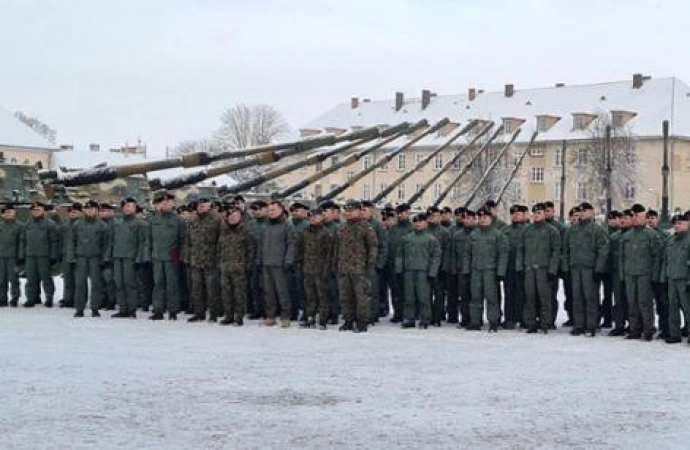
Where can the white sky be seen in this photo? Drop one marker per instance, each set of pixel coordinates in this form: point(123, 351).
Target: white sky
point(163, 70)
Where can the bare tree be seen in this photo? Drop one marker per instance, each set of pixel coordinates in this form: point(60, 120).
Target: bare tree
point(245, 126)
point(37, 125)
point(192, 146)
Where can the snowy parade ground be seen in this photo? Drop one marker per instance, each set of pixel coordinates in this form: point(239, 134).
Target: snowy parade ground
point(129, 384)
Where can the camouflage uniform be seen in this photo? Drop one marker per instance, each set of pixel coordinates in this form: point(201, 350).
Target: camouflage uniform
point(202, 246)
point(314, 254)
point(41, 241)
point(333, 294)
point(356, 258)
point(11, 252)
point(381, 256)
point(167, 239)
point(90, 250)
point(236, 255)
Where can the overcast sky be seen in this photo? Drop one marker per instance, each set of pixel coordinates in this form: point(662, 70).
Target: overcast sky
point(163, 70)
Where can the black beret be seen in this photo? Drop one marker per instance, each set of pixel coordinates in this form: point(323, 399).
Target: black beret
point(367, 204)
point(460, 211)
point(538, 207)
point(679, 217)
point(402, 207)
point(574, 210)
point(586, 206)
point(652, 213)
point(8, 207)
point(351, 206)
point(548, 204)
point(129, 200)
point(316, 212)
point(637, 208)
point(524, 208)
point(489, 204)
point(627, 212)
point(204, 200)
point(238, 198)
point(446, 210)
point(230, 208)
point(470, 213)
point(140, 209)
point(298, 205)
point(104, 205)
point(421, 217)
point(432, 210)
point(193, 205)
point(181, 209)
point(258, 204)
point(91, 204)
point(483, 212)
point(614, 214)
point(388, 215)
point(38, 205)
point(515, 208)
point(76, 206)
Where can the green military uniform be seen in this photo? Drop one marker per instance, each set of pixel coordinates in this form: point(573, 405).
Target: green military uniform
point(639, 259)
point(256, 295)
point(236, 255)
point(554, 282)
point(202, 247)
point(314, 254)
point(620, 298)
point(381, 255)
point(145, 271)
point(333, 294)
point(418, 260)
point(461, 239)
point(41, 251)
point(485, 260)
point(109, 289)
point(660, 288)
point(538, 257)
point(438, 284)
point(395, 236)
point(675, 271)
point(586, 249)
point(357, 249)
point(90, 251)
point(68, 268)
point(167, 239)
point(513, 287)
point(381, 291)
point(278, 253)
point(296, 276)
point(11, 253)
point(131, 248)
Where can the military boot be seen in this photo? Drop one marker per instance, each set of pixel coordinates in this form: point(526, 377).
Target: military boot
point(133, 315)
point(48, 303)
point(673, 340)
point(14, 303)
point(79, 313)
point(532, 330)
point(239, 322)
point(156, 316)
point(347, 326)
point(360, 329)
point(196, 318)
point(590, 333)
point(29, 304)
point(408, 324)
point(617, 331)
point(577, 332)
point(95, 313)
point(172, 316)
point(3, 304)
point(228, 320)
point(121, 314)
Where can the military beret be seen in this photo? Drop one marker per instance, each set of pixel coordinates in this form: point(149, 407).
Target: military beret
point(50, 207)
point(258, 204)
point(128, 200)
point(627, 212)
point(104, 205)
point(238, 198)
point(76, 206)
point(353, 205)
point(538, 207)
point(483, 212)
point(447, 210)
point(652, 213)
point(161, 195)
point(515, 208)
point(367, 204)
point(316, 212)
point(614, 214)
point(637, 208)
point(230, 208)
point(91, 204)
point(402, 207)
point(460, 211)
point(432, 210)
point(421, 217)
point(524, 208)
point(217, 204)
point(388, 215)
point(298, 205)
point(388, 210)
point(470, 213)
point(8, 207)
point(489, 204)
point(549, 204)
point(193, 205)
point(679, 218)
point(204, 200)
point(574, 210)
point(181, 209)
point(586, 206)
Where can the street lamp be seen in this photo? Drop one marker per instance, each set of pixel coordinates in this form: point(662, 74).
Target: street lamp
point(656, 193)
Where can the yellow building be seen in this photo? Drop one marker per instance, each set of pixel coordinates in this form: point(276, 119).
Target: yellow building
point(570, 117)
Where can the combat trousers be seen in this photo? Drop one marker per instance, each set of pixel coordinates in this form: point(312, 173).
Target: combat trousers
point(233, 285)
point(452, 298)
point(661, 301)
point(256, 291)
point(464, 291)
point(277, 292)
point(514, 298)
point(37, 270)
point(166, 287)
point(585, 298)
point(185, 287)
point(417, 296)
point(554, 299)
point(354, 298)
point(146, 285)
point(538, 292)
point(620, 301)
point(607, 301)
point(316, 297)
point(108, 287)
point(641, 303)
point(396, 287)
point(206, 292)
point(568, 287)
point(383, 299)
point(296, 291)
point(334, 298)
point(484, 286)
point(68, 270)
point(127, 284)
point(88, 269)
point(373, 296)
point(438, 298)
point(9, 279)
point(677, 300)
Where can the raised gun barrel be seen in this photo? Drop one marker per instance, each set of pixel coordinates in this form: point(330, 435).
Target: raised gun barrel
point(516, 168)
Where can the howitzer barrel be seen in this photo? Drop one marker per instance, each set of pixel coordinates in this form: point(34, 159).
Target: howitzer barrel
point(517, 167)
point(417, 195)
point(381, 162)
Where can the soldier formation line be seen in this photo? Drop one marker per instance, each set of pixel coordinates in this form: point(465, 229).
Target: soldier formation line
point(224, 262)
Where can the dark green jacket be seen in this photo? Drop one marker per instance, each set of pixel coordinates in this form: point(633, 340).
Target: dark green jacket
point(676, 258)
point(41, 239)
point(11, 239)
point(640, 253)
point(167, 236)
point(586, 246)
point(487, 249)
point(395, 235)
point(419, 251)
point(130, 239)
point(539, 248)
point(90, 238)
point(382, 237)
point(514, 234)
point(445, 240)
point(461, 239)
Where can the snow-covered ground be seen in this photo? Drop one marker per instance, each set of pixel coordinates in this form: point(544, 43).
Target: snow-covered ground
point(104, 383)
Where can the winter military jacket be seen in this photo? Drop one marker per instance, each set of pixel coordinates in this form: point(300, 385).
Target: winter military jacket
point(395, 235)
point(89, 239)
point(614, 245)
point(382, 238)
point(65, 230)
point(461, 239)
point(202, 240)
point(236, 248)
point(257, 227)
point(639, 253)
point(41, 239)
point(130, 239)
point(299, 225)
point(167, 237)
point(419, 251)
point(514, 234)
point(539, 248)
point(277, 244)
point(586, 246)
point(315, 251)
point(676, 258)
point(11, 240)
point(444, 239)
point(662, 235)
point(487, 249)
point(356, 249)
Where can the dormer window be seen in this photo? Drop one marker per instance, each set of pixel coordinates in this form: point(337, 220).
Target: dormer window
point(619, 118)
point(510, 124)
point(545, 122)
point(582, 120)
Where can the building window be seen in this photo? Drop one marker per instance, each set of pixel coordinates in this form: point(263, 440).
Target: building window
point(401, 161)
point(581, 192)
point(335, 160)
point(537, 174)
point(366, 162)
point(579, 122)
point(349, 176)
point(418, 188)
point(437, 191)
point(319, 166)
point(456, 192)
point(438, 162)
point(383, 187)
point(516, 158)
point(419, 157)
point(366, 192)
point(557, 190)
point(629, 191)
point(517, 189)
point(317, 190)
point(542, 124)
point(537, 152)
point(558, 160)
point(383, 168)
point(582, 157)
point(457, 165)
point(401, 192)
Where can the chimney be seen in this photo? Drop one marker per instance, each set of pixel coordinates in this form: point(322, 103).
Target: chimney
point(399, 100)
point(509, 90)
point(637, 80)
point(471, 94)
point(426, 98)
point(354, 102)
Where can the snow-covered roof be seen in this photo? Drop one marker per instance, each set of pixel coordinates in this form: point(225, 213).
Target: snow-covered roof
point(85, 159)
point(655, 101)
point(14, 134)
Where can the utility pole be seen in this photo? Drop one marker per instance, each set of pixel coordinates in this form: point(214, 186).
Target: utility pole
point(664, 177)
point(608, 171)
point(562, 199)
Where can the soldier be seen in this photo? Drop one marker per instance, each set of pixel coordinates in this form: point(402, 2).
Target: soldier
point(145, 270)
point(492, 207)
point(331, 218)
point(187, 213)
point(298, 217)
point(314, 254)
point(259, 212)
point(462, 290)
point(515, 278)
point(387, 273)
point(550, 215)
point(447, 221)
point(240, 204)
point(11, 255)
point(438, 284)
point(395, 236)
point(236, 255)
point(277, 258)
point(675, 273)
point(41, 252)
point(367, 216)
point(639, 265)
point(131, 248)
point(65, 228)
point(418, 260)
point(106, 214)
point(90, 250)
point(485, 260)
point(538, 257)
point(585, 255)
point(202, 248)
point(167, 240)
point(607, 302)
point(660, 289)
point(356, 259)
point(620, 306)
